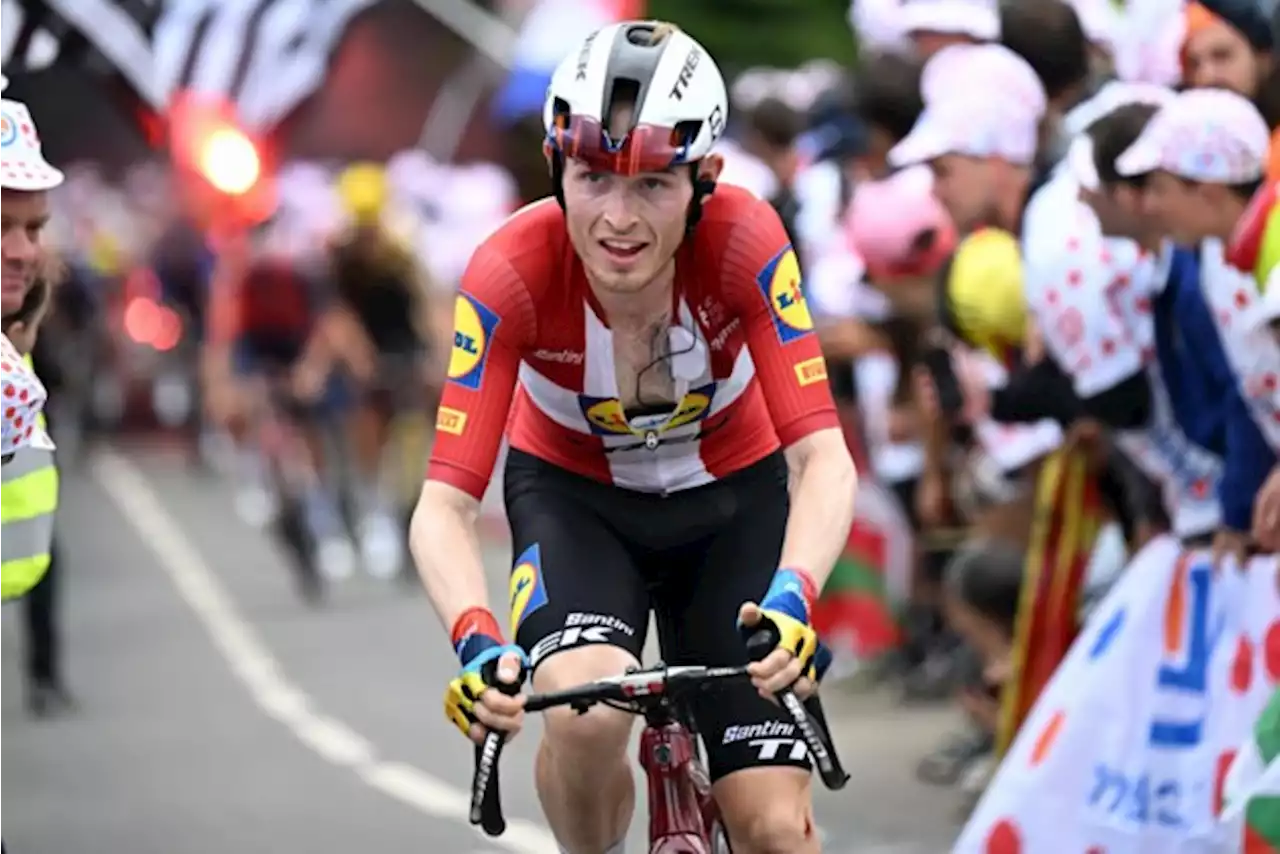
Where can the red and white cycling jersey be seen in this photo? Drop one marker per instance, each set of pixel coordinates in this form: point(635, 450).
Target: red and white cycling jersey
point(749, 372)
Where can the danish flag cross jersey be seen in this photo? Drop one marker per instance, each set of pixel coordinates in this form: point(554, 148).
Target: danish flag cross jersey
point(533, 353)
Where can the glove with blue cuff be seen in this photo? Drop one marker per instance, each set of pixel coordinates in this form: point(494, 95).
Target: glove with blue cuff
point(487, 663)
point(784, 613)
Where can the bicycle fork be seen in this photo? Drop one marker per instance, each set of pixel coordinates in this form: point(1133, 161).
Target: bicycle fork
point(682, 814)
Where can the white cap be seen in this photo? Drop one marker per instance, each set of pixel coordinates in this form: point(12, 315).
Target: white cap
point(21, 399)
point(974, 127)
point(1112, 97)
point(22, 165)
point(1080, 163)
point(964, 71)
point(977, 19)
point(1208, 135)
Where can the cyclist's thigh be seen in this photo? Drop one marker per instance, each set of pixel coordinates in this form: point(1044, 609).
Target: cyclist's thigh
point(734, 565)
point(573, 582)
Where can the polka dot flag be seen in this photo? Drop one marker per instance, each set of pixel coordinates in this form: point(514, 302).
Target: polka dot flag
point(1136, 743)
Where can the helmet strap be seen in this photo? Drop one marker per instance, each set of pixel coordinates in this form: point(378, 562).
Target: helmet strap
point(556, 162)
point(702, 187)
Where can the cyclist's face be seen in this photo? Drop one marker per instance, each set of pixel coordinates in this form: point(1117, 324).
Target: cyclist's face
point(625, 228)
point(23, 216)
point(1218, 56)
point(966, 188)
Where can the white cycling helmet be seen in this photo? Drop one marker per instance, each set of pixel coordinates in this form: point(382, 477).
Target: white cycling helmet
point(681, 104)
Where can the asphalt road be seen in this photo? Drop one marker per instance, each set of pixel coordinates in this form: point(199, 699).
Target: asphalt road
point(219, 714)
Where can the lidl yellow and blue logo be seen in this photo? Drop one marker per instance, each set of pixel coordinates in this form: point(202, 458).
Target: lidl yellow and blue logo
point(528, 592)
point(780, 283)
point(606, 416)
point(694, 407)
point(473, 325)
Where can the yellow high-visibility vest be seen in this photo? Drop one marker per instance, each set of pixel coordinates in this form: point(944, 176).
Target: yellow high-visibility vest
point(28, 504)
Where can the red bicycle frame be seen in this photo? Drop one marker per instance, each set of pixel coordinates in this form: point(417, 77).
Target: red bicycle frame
point(683, 817)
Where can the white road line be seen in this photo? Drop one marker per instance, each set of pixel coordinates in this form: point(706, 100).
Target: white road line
point(253, 664)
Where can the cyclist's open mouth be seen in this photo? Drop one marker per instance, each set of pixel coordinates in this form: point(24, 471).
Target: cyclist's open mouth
point(623, 251)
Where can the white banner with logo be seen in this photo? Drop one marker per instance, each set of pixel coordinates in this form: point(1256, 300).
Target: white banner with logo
point(1127, 749)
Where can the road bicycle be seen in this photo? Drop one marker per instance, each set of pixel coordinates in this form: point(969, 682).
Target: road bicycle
point(683, 816)
point(290, 472)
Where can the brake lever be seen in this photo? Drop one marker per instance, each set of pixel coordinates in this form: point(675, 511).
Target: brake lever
point(486, 787)
point(821, 749)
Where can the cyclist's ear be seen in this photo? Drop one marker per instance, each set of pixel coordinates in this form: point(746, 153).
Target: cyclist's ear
point(709, 170)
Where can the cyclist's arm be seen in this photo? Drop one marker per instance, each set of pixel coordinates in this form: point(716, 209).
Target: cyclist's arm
point(493, 316)
point(793, 377)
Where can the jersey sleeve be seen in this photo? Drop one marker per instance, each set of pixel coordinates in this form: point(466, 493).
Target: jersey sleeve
point(1078, 298)
point(493, 319)
point(763, 281)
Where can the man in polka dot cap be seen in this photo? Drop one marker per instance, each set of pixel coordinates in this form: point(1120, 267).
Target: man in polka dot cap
point(1206, 151)
point(981, 145)
point(25, 180)
point(1204, 154)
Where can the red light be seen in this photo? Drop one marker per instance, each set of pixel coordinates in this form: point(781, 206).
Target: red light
point(154, 325)
point(232, 184)
point(168, 331)
point(141, 320)
point(229, 161)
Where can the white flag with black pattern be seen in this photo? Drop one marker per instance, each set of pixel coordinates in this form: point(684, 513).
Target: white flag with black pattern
point(265, 56)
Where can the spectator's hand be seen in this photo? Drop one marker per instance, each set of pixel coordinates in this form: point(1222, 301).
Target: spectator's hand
point(926, 396)
point(1229, 543)
point(1088, 436)
point(931, 499)
point(23, 335)
point(974, 387)
point(1266, 513)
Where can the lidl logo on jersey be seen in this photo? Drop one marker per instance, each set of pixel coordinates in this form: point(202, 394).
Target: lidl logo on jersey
point(449, 420)
point(780, 283)
point(473, 325)
point(606, 416)
point(528, 592)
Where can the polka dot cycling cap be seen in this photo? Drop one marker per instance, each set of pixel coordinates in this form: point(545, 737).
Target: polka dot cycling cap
point(22, 165)
point(973, 127)
point(22, 396)
point(965, 71)
point(1207, 135)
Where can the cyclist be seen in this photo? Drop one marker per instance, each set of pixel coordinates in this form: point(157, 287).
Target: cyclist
point(383, 310)
point(666, 361)
point(265, 337)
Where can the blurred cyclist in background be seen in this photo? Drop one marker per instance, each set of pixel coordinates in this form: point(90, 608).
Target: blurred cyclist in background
point(266, 347)
point(384, 314)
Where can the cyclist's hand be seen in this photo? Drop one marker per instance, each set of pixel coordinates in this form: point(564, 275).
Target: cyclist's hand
point(784, 611)
point(486, 694)
point(475, 707)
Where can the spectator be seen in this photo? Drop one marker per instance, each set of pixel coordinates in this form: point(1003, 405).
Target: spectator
point(1048, 35)
point(46, 691)
point(772, 131)
point(932, 25)
point(888, 101)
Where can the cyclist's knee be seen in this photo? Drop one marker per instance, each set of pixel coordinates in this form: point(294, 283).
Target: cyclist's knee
point(602, 731)
point(767, 811)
